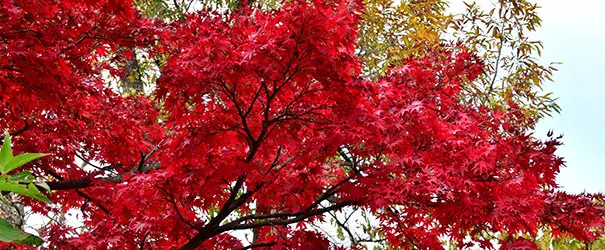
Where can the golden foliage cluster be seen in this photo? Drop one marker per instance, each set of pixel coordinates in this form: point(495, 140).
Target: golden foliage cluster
point(499, 32)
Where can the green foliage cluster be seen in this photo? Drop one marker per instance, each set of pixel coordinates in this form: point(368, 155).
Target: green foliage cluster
point(22, 183)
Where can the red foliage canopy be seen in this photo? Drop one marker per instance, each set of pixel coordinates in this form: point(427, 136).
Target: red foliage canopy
point(261, 120)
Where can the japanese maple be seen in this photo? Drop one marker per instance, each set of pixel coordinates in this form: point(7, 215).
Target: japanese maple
point(260, 120)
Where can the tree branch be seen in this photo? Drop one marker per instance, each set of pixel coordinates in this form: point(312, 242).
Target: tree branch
point(82, 194)
point(210, 229)
point(178, 212)
point(491, 85)
point(70, 184)
point(346, 228)
point(88, 181)
point(257, 246)
point(26, 127)
point(281, 222)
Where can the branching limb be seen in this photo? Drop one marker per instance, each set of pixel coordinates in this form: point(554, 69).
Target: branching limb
point(257, 245)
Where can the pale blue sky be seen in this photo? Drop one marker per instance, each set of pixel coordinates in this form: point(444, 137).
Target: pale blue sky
point(572, 32)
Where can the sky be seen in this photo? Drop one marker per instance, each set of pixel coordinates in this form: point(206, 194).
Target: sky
point(572, 32)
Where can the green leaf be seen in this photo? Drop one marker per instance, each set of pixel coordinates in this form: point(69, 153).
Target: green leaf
point(6, 153)
point(10, 234)
point(20, 160)
point(31, 240)
point(23, 177)
point(29, 190)
point(341, 235)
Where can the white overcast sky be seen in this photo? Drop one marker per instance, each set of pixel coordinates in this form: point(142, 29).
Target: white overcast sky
point(573, 33)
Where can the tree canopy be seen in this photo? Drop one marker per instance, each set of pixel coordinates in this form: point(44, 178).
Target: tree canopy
point(267, 121)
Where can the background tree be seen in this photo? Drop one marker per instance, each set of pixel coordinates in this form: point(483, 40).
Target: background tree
point(498, 31)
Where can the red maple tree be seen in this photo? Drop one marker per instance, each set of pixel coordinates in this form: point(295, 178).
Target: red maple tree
point(262, 121)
